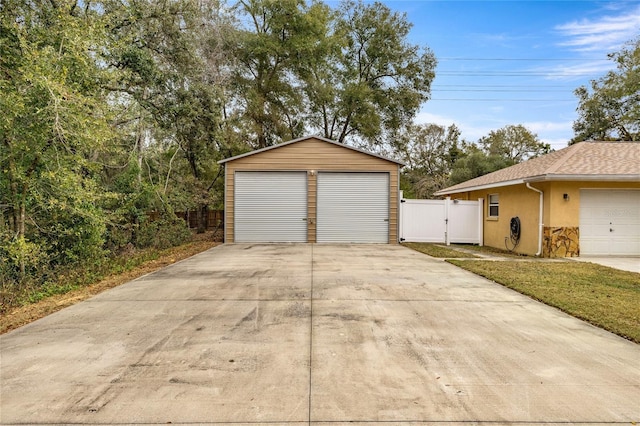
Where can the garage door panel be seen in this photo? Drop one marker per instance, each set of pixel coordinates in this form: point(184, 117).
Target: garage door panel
point(609, 222)
point(353, 207)
point(270, 207)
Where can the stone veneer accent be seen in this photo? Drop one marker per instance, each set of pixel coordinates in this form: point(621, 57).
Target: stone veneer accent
point(561, 242)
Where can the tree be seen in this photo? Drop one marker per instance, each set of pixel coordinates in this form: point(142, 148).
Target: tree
point(173, 64)
point(55, 120)
point(514, 143)
point(501, 148)
point(610, 109)
point(371, 81)
point(475, 163)
point(429, 151)
point(266, 55)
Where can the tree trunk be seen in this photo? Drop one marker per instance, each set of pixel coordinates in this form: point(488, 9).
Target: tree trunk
point(23, 216)
point(262, 140)
point(203, 216)
point(21, 220)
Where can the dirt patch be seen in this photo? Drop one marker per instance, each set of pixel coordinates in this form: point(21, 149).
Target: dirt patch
point(26, 314)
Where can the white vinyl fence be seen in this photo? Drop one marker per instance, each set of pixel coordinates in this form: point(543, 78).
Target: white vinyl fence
point(441, 221)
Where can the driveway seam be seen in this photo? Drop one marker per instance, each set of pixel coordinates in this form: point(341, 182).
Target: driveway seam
point(310, 334)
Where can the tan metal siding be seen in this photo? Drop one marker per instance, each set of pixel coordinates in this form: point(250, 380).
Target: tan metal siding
point(312, 212)
point(312, 156)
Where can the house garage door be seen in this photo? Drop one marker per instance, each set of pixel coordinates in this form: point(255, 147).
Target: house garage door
point(353, 208)
point(270, 207)
point(609, 222)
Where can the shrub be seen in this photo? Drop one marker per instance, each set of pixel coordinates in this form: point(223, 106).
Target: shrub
point(168, 231)
point(19, 257)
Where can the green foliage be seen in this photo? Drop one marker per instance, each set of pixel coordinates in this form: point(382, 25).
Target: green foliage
point(386, 78)
point(429, 151)
point(46, 290)
point(436, 250)
point(375, 81)
point(513, 143)
point(436, 157)
point(168, 231)
point(348, 73)
point(19, 257)
point(475, 164)
point(173, 75)
point(499, 149)
point(268, 53)
point(610, 108)
point(55, 120)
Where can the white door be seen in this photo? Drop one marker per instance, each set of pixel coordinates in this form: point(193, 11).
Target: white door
point(609, 222)
point(353, 208)
point(270, 207)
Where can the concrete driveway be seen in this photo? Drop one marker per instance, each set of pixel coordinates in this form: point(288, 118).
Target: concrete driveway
point(629, 263)
point(315, 334)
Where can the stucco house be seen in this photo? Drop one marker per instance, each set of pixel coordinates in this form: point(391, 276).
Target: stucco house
point(579, 201)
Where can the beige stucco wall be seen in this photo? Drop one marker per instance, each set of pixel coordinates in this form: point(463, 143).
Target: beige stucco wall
point(313, 156)
point(515, 200)
point(567, 213)
point(518, 200)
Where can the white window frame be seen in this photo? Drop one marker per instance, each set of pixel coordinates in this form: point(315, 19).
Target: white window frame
point(493, 202)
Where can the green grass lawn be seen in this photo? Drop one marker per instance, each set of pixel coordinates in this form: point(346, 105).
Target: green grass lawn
point(489, 250)
point(434, 250)
point(605, 297)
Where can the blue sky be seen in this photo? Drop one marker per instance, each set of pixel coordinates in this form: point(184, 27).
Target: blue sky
point(516, 62)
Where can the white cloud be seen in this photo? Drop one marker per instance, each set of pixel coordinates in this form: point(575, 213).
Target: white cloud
point(556, 143)
point(577, 71)
point(469, 131)
point(548, 126)
point(429, 118)
point(607, 33)
point(556, 134)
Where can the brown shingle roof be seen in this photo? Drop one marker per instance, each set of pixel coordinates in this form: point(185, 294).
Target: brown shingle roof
point(588, 161)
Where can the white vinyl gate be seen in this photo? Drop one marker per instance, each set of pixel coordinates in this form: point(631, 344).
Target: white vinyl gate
point(441, 221)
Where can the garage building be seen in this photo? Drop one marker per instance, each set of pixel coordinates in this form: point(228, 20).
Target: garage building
point(312, 190)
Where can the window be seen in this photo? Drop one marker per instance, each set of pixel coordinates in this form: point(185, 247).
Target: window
point(493, 205)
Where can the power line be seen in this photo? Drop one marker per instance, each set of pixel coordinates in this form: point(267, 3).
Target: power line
point(513, 74)
point(526, 59)
point(501, 100)
point(496, 90)
point(503, 85)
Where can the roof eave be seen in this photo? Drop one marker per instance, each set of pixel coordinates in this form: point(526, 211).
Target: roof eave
point(584, 178)
point(480, 187)
point(247, 154)
point(546, 178)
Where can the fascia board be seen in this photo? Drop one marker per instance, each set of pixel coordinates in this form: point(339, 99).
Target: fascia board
point(585, 178)
point(481, 187)
point(247, 154)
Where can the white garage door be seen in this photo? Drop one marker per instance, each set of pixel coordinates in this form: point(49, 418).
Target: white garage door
point(353, 208)
point(609, 222)
point(270, 207)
